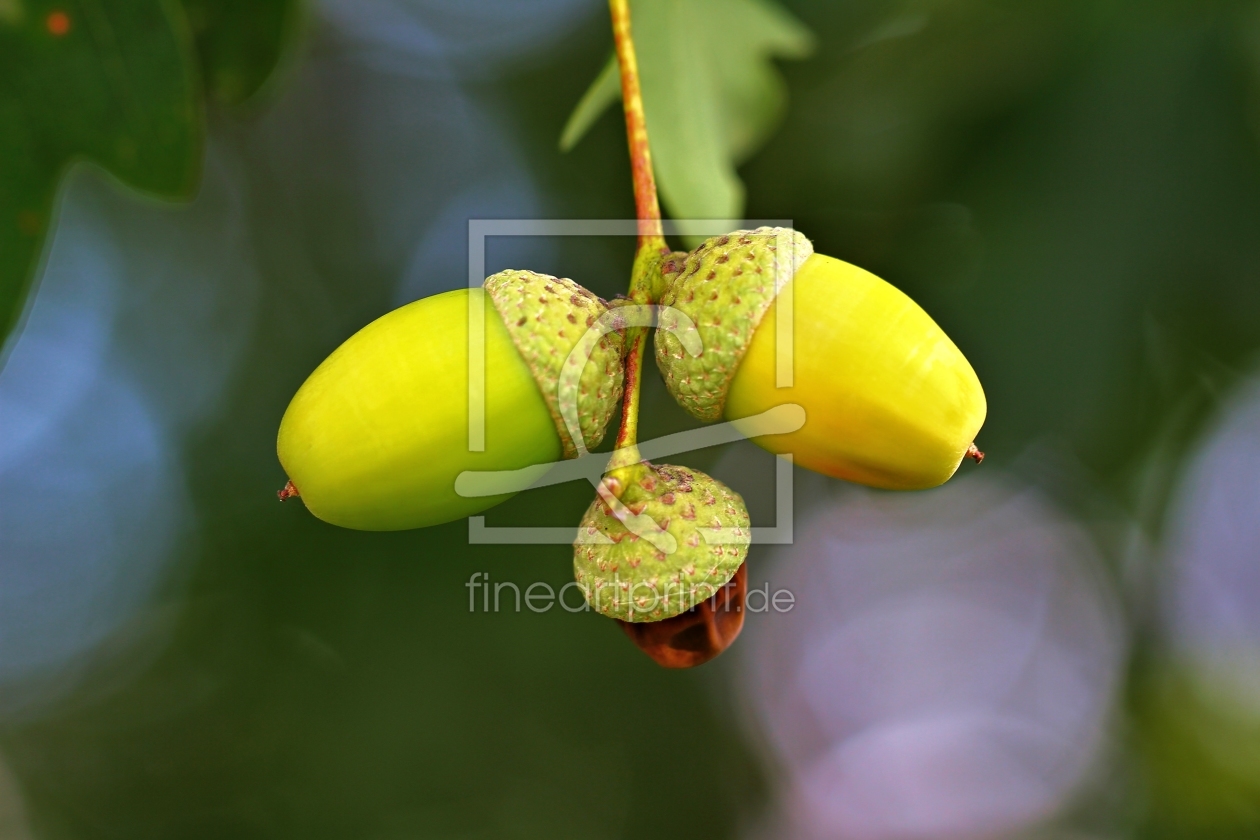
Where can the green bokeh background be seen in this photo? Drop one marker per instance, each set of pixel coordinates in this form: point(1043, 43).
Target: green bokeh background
point(1072, 189)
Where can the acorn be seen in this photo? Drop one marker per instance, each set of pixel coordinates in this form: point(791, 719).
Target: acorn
point(376, 436)
point(659, 541)
point(701, 633)
point(889, 400)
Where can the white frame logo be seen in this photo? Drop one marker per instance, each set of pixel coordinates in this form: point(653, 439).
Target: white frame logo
point(591, 466)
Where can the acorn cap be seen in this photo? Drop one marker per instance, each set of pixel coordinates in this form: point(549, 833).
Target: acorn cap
point(725, 286)
point(696, 537)
point(547, 317)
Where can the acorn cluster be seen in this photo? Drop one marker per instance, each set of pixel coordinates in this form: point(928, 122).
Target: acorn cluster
point(378, 434)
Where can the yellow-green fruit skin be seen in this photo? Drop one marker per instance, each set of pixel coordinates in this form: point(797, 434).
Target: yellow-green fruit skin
point(376, 436)
point(889, 400)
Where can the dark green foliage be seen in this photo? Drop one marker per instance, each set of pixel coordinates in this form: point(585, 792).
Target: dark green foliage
point(115, 84)
point(106, 82)
point(240, 42)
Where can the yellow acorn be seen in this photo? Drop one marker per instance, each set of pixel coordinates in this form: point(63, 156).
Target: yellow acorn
point(377, 435)
point(889, 400)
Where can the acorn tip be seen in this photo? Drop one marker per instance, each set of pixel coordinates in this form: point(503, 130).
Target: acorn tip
point(287, 492)
point(975, 454)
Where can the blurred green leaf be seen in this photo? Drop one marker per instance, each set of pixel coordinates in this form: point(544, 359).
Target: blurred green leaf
point(240, 43)
point(604, 91)
point(87, 80)
point(711, 93)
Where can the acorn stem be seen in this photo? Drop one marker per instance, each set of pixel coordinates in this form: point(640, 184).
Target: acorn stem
point(627, 450)
point(644, 279)
point(647, 207)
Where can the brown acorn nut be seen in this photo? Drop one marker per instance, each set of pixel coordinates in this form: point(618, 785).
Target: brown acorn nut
point(889, 401)
point(698, 635)
point(671, 541)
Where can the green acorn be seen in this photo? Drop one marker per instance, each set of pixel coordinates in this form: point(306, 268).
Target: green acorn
point(889, 400)
point(671, 541)
point(376, 436)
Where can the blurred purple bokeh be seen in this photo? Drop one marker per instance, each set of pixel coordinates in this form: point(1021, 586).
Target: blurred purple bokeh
point(1213, 535)
point(947, 672)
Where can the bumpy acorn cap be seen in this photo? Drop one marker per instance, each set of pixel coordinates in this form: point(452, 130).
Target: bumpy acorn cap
point(547, 317)
point(703, 537)
point(725, 286)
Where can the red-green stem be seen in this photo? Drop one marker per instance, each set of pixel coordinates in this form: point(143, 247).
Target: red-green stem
point(626, 435)
point(647, 207)
point(651, 234)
